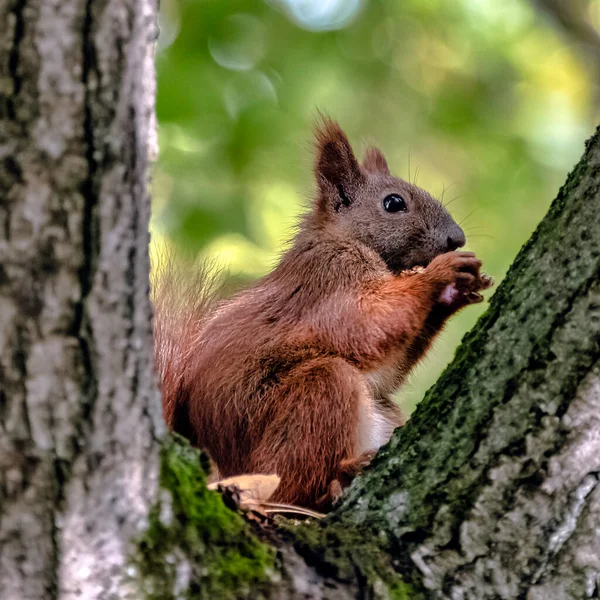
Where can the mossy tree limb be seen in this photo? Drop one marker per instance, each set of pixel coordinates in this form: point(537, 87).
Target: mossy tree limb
point(194, 544)
point(492, 488)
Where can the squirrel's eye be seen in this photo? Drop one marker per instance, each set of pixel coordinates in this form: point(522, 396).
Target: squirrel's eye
point(394, 203)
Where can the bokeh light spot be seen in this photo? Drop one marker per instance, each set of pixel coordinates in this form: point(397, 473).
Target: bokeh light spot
point(239, 44)
point(321, 15)
point(248, 89)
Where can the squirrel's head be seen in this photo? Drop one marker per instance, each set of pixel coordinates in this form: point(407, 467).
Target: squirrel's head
point(404, 224)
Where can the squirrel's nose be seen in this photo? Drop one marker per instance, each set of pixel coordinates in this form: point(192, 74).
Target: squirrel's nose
point(456, 239)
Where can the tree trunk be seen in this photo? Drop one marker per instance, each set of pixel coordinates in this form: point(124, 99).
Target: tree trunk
point(79, 407)
point(490, 491)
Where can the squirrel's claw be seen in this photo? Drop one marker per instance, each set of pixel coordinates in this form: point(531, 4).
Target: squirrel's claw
point(474, 298)
point(487, 281)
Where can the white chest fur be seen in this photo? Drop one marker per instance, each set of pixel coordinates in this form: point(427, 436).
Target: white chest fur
point(375, 426)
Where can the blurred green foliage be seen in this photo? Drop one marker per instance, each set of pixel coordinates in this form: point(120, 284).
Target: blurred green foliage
point(487, 102)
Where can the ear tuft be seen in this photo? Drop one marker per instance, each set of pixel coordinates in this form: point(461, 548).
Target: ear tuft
point(336, 167)
point(375, 162)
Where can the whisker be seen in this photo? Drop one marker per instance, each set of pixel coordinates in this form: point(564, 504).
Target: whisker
point(444, 190)
point(469, 215)
point(453, 199)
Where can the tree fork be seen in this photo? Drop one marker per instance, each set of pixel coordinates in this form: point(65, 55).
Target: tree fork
point(490, 491)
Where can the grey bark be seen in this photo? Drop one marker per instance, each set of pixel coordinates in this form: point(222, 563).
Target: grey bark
point(492, 489)
point(79, 406)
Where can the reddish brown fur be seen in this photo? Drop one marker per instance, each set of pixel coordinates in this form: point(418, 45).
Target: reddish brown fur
point(375, 162)
point(294, 375)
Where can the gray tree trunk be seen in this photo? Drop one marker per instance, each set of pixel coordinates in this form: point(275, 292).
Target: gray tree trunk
point(79, 407)
point(490, 491)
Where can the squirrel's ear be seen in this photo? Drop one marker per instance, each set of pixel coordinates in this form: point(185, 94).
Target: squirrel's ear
point(336, 169)
point(375, 162)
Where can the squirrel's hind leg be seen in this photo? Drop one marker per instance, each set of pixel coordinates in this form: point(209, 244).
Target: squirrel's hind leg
point(312, 430)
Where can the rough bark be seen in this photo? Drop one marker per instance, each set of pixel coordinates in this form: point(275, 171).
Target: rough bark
point(492, 489)
point(79, 407)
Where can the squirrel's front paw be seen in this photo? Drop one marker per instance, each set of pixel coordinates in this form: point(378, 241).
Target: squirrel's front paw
point(454, 296)
point(458, 277)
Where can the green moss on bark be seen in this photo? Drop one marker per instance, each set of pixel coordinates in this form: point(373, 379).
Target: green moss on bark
point(352, 557)
point(194, 546)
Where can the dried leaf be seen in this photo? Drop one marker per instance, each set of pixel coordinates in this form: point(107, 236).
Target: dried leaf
point(254, 490)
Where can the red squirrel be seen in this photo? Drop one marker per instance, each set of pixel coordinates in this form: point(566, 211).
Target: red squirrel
point(295, 375)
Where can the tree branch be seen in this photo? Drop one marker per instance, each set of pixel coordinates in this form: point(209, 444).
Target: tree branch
point(574, 23)
point(491, 486)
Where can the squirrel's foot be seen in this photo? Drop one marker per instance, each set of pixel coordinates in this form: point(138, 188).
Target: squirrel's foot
point(347, 470)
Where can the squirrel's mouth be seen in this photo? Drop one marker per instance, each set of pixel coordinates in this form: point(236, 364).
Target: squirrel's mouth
point(401, 262)
point(423, 261)
point(416, 264)
point(402, 267)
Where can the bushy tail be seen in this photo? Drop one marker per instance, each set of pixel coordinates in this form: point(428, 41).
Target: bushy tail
point(183, 294)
